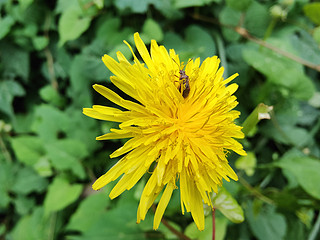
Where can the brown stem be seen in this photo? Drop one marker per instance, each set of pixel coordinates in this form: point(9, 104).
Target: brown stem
point(48, 54)
point(213, 224)
point(180, 235)
point(244, 33)
point(254, 191)
point(50, 64)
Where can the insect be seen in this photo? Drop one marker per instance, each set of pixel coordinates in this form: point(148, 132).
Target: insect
point(184, 86)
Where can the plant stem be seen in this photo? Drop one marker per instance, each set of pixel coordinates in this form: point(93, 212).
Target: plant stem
point(244, 33)
point(213, 224)
point(180, 235)
point(255, 191)
point(313, 234)
point(4, 150)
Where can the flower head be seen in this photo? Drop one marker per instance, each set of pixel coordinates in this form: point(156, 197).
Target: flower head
point(181, 127)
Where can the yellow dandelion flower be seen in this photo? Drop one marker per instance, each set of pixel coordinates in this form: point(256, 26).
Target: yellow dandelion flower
point(181, 126)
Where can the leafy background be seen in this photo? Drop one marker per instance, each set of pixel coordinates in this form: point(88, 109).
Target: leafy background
point(50, 55)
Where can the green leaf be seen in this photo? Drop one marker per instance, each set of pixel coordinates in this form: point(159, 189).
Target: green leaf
point(60, 194)
point(120, 222)
point(152, 30)
point(247, 163)
point(33, 226)
point(66, 154)
point(14, 60)
point(166, 7)
point(24, 4)
point(305, 170)
point(198, 43)
point(229, 16)
point(84, 129)
point(51, 95)
point(23, 122)
point(46, 125)
point(316, 35)
point(40, 42)
point(265, 223)
point(192, 3)
point(95, 206)
point(257, 18)
point(221, 224)
point(312, 11)
point(135, 6)
point(24, 204)
point(239, 5)
point(27, 181)
point(28, 149)
point(280, 70)
point(228, 206)
point(8, 90)
point(292, 135)
point(5, 25)
point(7, 173)
point(62, 5)
point(72, 24)
point(306, 47)
point(79, 90)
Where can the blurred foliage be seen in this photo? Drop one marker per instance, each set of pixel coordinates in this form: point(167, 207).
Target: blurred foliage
point(50, 55)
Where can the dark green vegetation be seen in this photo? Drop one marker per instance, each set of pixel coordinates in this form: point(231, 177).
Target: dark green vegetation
point(51, 55)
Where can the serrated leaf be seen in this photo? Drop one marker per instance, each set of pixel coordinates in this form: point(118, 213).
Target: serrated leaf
point(72, 24)
point(14, 60)
point(66, 154)
point(306, 172)
point(27, 181)
point(28, 149)
point(8, 90)
point(5, 25)
point(46, 125)
point(60, 194)
point(228, 206)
